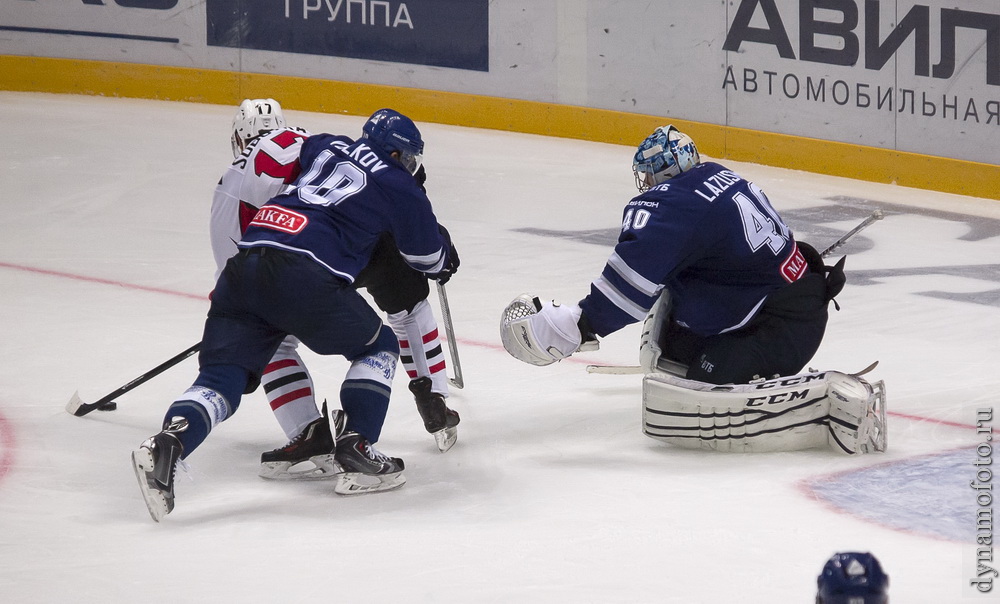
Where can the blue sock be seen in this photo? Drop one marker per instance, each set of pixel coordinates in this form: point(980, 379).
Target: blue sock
point(212, 399)
point(364, 395)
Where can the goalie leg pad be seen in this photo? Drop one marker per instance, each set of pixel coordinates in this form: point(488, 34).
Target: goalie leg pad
point(857, 415)
point(786, 414)
point(651, 357)
point(805, 411)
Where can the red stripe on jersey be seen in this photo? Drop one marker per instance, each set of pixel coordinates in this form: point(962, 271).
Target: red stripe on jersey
point(265, 164)
point(411, 374)
point(276, 365)
point(247, 212)
point(431, 336)
point(404, 343)
point(291, 396)
point(437, 368)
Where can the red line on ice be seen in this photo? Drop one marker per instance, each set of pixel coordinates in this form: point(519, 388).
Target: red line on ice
point(6, 447)
point(102, 281)
point(919, 418)
point(487, 345)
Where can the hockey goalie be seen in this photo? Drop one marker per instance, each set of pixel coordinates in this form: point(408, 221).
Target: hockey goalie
point(804, 411)
point(734, 309)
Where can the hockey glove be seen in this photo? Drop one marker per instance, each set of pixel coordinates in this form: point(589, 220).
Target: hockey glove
point(451, 261)
point(421, 177)
point(540, 333)
point(834, 275)
point(835, 279)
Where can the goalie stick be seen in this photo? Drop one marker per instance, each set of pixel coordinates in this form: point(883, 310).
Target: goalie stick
point(634, 369)
point(77, 407)
point(875, 216)
point(449, 330)
point(614, 369)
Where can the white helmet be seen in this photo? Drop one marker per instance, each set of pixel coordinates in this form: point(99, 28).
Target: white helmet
point(252, 118)
point(664, 154)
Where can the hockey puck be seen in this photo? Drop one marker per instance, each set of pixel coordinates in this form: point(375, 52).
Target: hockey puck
point(108, 406)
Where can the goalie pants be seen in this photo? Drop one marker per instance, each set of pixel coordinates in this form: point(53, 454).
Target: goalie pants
point(780, 340)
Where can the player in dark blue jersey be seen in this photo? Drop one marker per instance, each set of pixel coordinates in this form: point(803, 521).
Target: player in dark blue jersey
point(294, 275)
point(746, 299)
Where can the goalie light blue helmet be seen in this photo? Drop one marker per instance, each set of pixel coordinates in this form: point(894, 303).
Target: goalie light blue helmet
point(852, 578)
point(391, 131)
point(664, 154)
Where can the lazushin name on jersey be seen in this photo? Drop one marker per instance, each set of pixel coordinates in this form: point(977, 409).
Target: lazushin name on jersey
point(717, 184)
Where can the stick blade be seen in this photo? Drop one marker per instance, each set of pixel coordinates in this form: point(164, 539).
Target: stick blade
point(75, 406)
point(615, 369)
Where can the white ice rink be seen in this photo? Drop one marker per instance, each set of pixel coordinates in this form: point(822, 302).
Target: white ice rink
point(552, 494)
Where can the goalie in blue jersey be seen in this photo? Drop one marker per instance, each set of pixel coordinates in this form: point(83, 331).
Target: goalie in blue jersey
point(746, 299)
point(729, 297)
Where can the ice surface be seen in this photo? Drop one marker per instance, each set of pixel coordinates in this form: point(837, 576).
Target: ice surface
point(552, 493)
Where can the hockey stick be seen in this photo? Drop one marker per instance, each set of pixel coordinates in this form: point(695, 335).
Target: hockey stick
point(77, 407)
point(634, 369)
point(875, 216)
point(614, 369)
point(449, 330)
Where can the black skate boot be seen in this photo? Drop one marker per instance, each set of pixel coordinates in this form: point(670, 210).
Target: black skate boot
point(155, 462)
point(365, 468)
point(439, 420)
point(310, 455)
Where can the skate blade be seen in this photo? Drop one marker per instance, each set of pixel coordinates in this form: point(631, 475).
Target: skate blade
point(356, 483)
point(446, 438)
point(318, 467)
point(156, 502)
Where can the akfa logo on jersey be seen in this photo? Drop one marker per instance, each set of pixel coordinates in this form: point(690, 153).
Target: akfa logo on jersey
point(280, 219)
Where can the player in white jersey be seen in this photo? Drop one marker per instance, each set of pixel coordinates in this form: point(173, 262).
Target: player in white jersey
point(266, 153)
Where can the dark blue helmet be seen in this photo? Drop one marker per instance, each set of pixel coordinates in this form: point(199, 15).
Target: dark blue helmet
point(852, 578)
point(392, 131)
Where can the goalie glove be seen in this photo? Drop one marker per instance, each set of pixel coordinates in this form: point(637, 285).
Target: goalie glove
point(540, 333)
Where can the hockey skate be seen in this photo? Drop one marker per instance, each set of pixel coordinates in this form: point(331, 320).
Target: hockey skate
point(365, 469)
point(308, 456)
point(439, 420)
point(155, 463)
